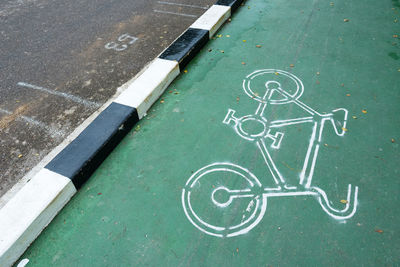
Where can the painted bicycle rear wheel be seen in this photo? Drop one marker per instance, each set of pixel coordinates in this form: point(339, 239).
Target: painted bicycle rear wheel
point(213, 210)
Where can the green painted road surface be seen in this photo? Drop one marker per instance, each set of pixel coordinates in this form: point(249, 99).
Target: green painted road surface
point(278, 147)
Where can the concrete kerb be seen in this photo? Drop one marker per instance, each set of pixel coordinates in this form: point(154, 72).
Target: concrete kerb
point(33, 207)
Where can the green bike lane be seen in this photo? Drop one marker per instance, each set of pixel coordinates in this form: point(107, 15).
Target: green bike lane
point(184, 188)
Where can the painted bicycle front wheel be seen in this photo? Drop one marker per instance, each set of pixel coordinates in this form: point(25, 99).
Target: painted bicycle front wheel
point(254, 85)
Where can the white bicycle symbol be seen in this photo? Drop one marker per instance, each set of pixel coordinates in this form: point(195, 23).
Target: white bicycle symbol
point(240, 184)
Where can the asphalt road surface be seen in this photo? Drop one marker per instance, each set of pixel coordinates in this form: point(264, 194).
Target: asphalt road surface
point(61, 60)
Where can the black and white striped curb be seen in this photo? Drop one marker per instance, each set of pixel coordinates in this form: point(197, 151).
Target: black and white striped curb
point(35, 205)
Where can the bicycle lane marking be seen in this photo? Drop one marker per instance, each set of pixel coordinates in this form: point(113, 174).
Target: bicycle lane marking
point(261, 117)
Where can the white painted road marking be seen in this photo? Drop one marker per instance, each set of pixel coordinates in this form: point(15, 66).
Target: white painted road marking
point(73, 98)
point(32, 121)
point(123, 39)
point(178, 4)
point(173, 13)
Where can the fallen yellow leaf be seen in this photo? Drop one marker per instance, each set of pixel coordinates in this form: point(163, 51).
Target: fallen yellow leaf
point(344, 129)
point(344, 201)
point(244, 41)
point(20, 156)
point(185, 71)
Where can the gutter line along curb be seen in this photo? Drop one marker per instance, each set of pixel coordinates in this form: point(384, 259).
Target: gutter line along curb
point(32, 208)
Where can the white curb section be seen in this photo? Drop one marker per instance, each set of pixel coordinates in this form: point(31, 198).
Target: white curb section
point(148, 87)
point(30, 211)
point(212, 19)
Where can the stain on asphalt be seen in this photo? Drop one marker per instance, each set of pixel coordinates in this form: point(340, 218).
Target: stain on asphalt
point(62, 46)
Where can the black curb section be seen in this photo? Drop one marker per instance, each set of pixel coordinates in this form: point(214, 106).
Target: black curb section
point(84, 154)
point(234, 4)
point(186, 46)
